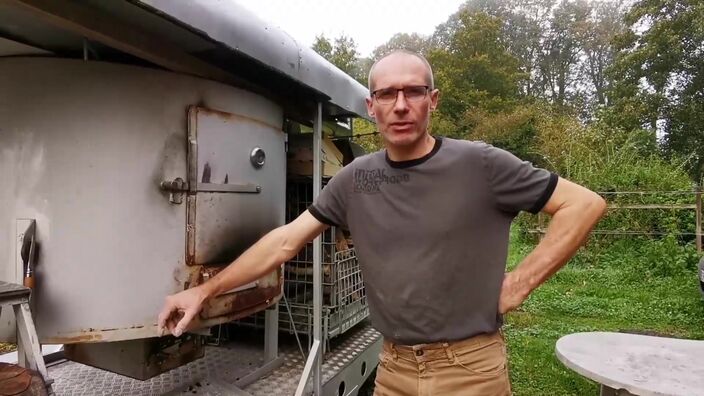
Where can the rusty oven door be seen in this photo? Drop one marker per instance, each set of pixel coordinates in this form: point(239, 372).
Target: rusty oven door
point(236, 194)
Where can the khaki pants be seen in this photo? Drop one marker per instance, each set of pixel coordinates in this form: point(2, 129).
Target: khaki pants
point(475, 366)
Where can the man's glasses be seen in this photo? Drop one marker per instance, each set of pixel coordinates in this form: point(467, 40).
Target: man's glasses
point(387, 96)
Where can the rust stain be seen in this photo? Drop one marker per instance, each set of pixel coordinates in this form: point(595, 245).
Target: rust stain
point(191, 230)
point(249, 300)
point(245, 300)
point(91, 335)
point(240, 303)
point(209, 272)
point(206, 173)
point(233, 116)
point(241, 313)
point(176, 275)
point(195, 277)
point(74, 339)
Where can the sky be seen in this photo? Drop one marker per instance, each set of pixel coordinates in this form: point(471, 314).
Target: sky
point(369, 22)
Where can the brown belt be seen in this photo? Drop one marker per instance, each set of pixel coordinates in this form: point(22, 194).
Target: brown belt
point(437, 350)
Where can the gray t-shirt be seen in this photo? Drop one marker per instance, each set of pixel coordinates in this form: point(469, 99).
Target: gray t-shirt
point(431, 234)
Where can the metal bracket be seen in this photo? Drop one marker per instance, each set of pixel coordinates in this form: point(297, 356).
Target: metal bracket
point(229, 188)
point(177, 187)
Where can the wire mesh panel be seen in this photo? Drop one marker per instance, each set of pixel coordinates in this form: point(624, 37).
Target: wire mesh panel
point(298, 272)
point(344, 299)
point(349, 301)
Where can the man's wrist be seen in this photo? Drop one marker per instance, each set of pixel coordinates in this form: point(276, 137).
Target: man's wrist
point(208, 290)
point(524, 282)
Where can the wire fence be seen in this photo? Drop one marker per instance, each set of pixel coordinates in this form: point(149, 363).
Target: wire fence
point(619, 201)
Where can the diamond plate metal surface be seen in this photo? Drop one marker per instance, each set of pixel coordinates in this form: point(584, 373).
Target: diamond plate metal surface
point(344, 349)
point(217, 372)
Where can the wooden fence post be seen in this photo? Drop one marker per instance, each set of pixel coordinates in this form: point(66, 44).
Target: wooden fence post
point(698, 232)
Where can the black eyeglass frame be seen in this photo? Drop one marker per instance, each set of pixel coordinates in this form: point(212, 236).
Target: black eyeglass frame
point(425, 93)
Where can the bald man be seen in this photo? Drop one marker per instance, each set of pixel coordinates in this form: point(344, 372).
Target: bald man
point(430, 217)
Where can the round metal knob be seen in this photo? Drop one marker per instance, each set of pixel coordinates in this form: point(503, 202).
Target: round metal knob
point(257, 157)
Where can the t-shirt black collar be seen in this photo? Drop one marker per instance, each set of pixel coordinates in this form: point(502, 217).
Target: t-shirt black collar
point(416, 161)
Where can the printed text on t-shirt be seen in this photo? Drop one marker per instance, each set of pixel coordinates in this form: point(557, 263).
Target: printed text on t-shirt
point(369, 181)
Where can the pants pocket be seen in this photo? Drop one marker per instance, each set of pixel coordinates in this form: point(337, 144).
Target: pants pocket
point(384, 358)
point(386, 382)
point(485, 360)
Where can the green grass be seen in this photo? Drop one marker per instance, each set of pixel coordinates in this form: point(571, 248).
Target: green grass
point(627, 285)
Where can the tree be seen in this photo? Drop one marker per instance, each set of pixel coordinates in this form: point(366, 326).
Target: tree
point(474, 71)
point(523, 32)
point(658, 75)
point(597, 43)
point(323, 47)
point(411, 42)
point(442, 37)
point(343, 54)
point(523, 26)
point(561, 49)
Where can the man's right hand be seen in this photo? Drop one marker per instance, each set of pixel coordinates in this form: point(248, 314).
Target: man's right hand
point(275, 248)
point(180, 309)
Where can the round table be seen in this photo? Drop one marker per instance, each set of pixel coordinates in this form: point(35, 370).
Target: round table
point(635, 364)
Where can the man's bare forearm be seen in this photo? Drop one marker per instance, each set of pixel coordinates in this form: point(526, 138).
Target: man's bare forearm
point(275, 248)
point(568, 229)
point(261, 258)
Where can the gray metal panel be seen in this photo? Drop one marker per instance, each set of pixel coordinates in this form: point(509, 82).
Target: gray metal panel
point(151, 22)
point(13, 48)
point(20, 24)
point(83, 148)
point(213, 39)
point(228, 223)
point(242, 31)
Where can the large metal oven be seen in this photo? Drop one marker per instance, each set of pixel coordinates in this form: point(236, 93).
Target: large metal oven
point(131, 174)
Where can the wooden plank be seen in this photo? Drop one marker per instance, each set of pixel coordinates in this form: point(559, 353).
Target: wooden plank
point(104, 29)
point(28, 341)
point(12, 290)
